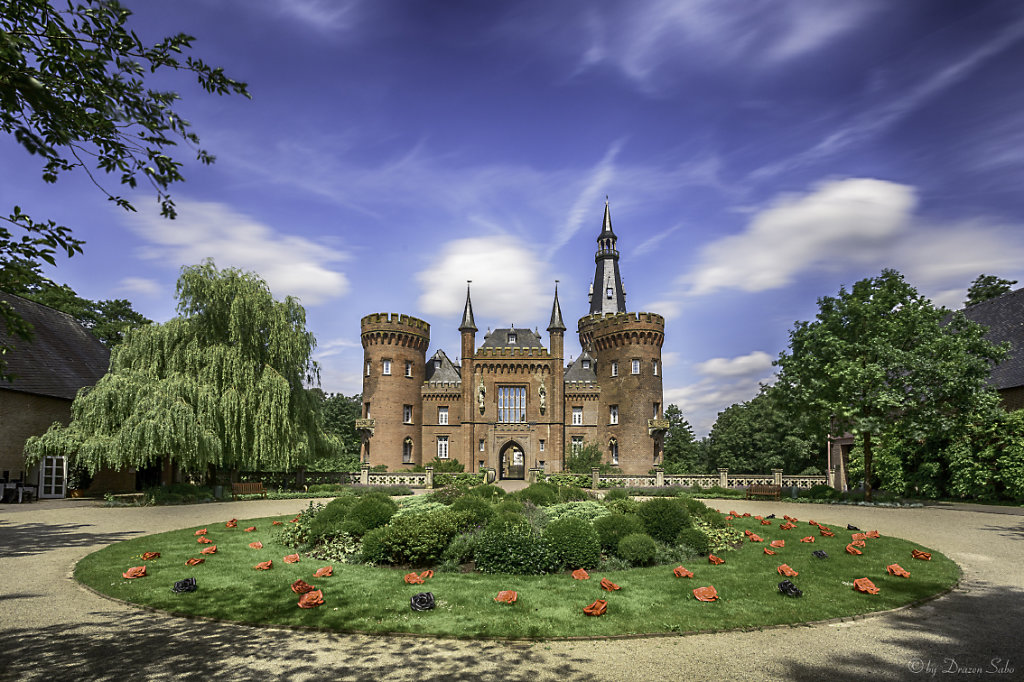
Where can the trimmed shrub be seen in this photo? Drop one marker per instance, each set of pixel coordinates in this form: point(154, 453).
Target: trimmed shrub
point(462, 548)
point(372, 550)
point(488, 492)
point(612, 528)
point(625, 505)
point(588, 511)
point(509, 506)
point(371, 511)
point(418, 504)
point(572, 493)
point(447, 494)
point(695, 539)
point(421, 539)
point(822, 492)
point(300, 532)
point(638, 549)
point(478, 510)
point(572, 543)
point(327, 522)
point(507, 518)
point(514, 548)
point(663, 518)
point(541, 494)
point(616, 494)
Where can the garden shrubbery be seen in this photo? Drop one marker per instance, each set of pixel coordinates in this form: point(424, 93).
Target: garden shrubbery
point(663, 518)
point(572, 543)
point(540, 494)
point(638, 549)
point(420, 539)
point(695, 539)
point(514, 548)
point(478, 511)
point(612, 528)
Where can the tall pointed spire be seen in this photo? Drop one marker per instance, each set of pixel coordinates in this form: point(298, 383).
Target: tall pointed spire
point(467, 315)
point(607, 294)
point(556, 323)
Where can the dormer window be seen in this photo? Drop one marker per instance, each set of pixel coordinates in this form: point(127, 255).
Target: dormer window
point(608, 292)
point(437, 364)
point(511, 338)
point(586, 364)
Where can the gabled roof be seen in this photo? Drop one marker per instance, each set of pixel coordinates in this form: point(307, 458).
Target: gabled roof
point(577, 373)
point(447, 371)
point(1004, 317)
point(524, 338)
point(61, 358)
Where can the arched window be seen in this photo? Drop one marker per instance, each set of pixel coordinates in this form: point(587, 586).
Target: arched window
point(407, 451)
point(613, 449)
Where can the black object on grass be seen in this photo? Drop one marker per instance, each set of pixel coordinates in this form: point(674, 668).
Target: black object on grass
point(851, 527)
point(424, 601)
point(186, 585)
point(820, 553)
point(787, 588)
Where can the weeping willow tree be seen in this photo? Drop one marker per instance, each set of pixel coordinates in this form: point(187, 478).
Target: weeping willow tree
point(221, 385)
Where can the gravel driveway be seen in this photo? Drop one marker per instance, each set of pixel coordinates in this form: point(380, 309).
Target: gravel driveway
point(52, 629)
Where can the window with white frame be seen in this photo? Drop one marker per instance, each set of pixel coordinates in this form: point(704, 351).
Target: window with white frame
point(387, 368)
point(577, 444)
point(613, 447)
point(408, 368)
point(635, 366)
point(542, 445)
point(511, 338)
point(442, 447)
point(407, 451)
point(481, 445)
point(368, 364)
point(586, 364)
point(442, 415)
point(615, 368)
point(577, 416)
point(654, 367)
point(512, 404)
point(613, 414)
point(407, 414)
point(437, 364)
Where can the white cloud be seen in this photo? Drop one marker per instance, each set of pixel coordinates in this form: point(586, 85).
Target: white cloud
point(139, 285)
point(582, 211)
point(840, 221)
point(334, 347)
point(290, 264)
point(743, 365)
point(510, 282)
point(321, 15)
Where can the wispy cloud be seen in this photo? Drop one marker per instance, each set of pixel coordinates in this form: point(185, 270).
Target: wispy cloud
point(322, 16)
point(291, 265)
point(599, 182)
point(142, 286)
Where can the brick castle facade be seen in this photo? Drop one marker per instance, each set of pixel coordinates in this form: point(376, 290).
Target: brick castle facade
point(513, 404)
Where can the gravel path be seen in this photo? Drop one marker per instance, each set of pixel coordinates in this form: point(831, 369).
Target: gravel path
point(52, 629)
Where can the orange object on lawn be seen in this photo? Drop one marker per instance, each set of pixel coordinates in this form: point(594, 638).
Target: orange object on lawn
point(853, 550)
point(311, 599)
point(413, 579)
point(765, 522)
point(201, 531)
point(325, 572)
point(759, 518)
point(150, 555)
point(681, 572)
point(135, 572)
point(204, 540)
point(755, 538)
point(256, 545)
point(580, 574)
point(233, 523)
point(778, 543)
point(277, 523)
point(824, 532)
point(715, 560)
point(787, 526)
point(302, 587)
point(747, 533)
point(608, 585)
point(194, 562)
point(708, 593)
point(295, 520)
point(809, 538)
point(865, 585)
point(873, 534)
point(728, 518)
point(427, 574)
point(250, 529)
point(812, 522)
point(768, 551)
point(897, 570)
point(507, 596)
point(785, 570)
point(212, 549)
point(264, 565)
point(859, 536)
point(598, 608)
point(292, 559)
point(859, 543)
point(746, 515)
point(918, 554)
point(733, 513)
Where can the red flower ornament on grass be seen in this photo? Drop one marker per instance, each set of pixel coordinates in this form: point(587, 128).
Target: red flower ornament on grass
point(859, 543)
point(194, 561)
point(325, 572)
point(150, 555)
point(681, 572)
point(778, 544)
point(715, 560)
point(708, 593)
point(787, 526)
point(608, 585)
point(755, 538)
point(580, 574)
point(256, 545)
point(859, 536)
point(507, 596)
point(233, 523)
point(824, 532)
point(598, 608)
point(413, 579)
point(785, 570)
point(302, 587)
point(311, 599)
point(135, 572)
point(864, 585)
point(277, 523)
point(809, 538)
point(427, 574)
point(873, 534)
point(264, 565)
point(201, 531)
point(812, 522)
point(897, 570)
point(212, 549)
point(850, 549)
point(768, 551)
point(250, 529)
point(765, 522)
point(204, 540)
point(292, 559)
point(295, 520)
point(918, 554)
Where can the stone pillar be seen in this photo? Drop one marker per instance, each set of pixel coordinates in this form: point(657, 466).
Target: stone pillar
point(534, 475)
point(430, 477)
point(364, 473)
point(723, 478)
point(830, 477)
point(777, 475)
point(659, 476)
point(595, 478)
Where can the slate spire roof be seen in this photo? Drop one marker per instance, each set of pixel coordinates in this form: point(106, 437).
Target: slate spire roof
point(468, 325)
point(606, 293)
point(556, 323)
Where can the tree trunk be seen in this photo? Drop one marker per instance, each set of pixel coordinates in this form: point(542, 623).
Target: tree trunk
point(867, 466)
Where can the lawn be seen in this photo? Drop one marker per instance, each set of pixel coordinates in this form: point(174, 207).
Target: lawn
point(651, 600)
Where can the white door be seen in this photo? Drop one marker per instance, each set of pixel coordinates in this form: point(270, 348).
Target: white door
point(53, 477)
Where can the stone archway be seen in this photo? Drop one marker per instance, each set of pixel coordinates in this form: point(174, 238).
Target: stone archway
point(512, 462)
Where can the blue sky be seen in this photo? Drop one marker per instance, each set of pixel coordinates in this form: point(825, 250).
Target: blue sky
point(757, 155)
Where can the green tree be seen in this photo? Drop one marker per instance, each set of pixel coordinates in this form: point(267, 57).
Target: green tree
point(74, 91)
point(107, 320)
point(760, 435)
point(582, 458)
point(339, 418)
point(880, 356)
point(985, 287)
point(221, 385)
point(683, 453)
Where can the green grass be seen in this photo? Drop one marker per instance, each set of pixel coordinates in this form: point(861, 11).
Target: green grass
point(652, 600)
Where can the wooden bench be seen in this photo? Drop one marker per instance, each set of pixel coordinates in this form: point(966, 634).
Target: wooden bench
point(247, 488)
point(774, 491)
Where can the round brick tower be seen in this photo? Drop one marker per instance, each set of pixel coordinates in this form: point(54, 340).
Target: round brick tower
point(394, 363)
point(627, 349)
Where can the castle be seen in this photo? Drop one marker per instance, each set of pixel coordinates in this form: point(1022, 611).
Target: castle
point(513, 404)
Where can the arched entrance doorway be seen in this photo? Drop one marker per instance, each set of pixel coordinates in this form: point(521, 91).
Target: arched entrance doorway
point(513, 462)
